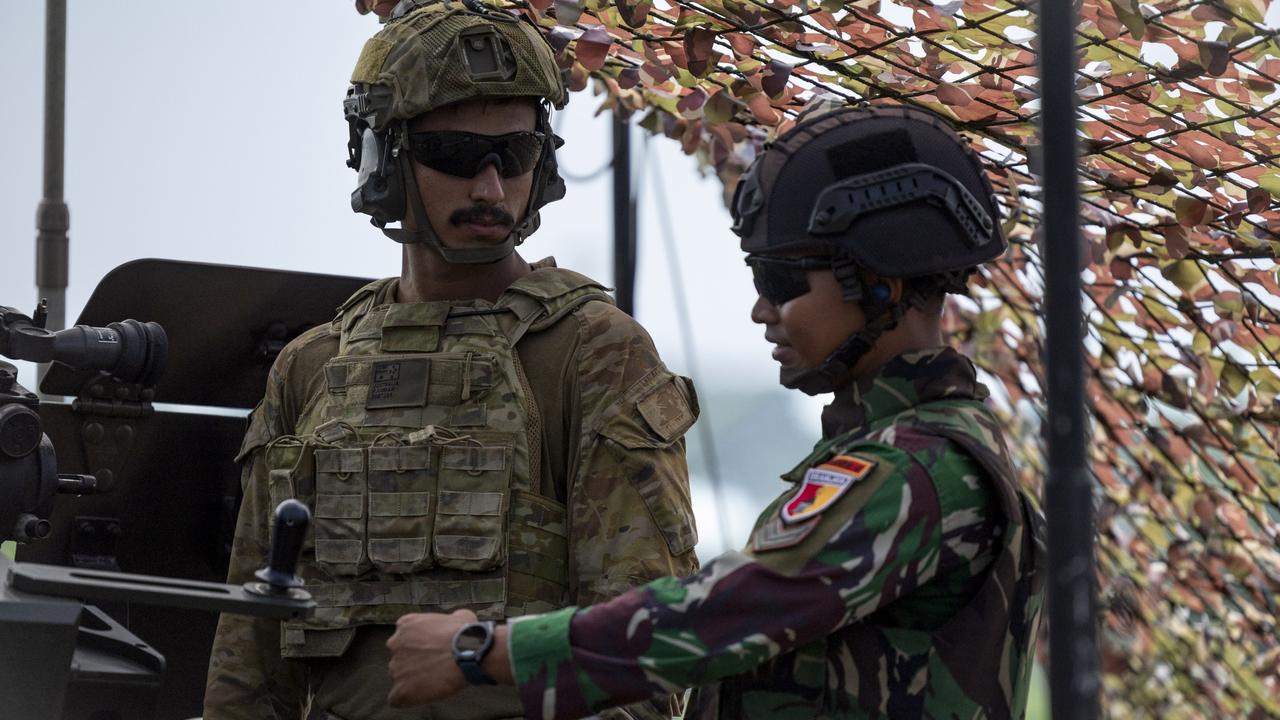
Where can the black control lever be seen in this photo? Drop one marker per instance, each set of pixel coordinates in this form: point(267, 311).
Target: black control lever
point(279, 595)
point(278, 578)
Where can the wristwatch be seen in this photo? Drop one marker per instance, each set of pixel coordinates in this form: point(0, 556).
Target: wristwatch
point(471, 644)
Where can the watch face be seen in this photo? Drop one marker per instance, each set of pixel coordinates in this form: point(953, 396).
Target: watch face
point(470, 645)
point(471, 638)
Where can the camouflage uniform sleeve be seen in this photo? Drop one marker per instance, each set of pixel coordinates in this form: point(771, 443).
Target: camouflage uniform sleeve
point(247, 677)
point(631, 517)
point(629, 507)
point(876, 543)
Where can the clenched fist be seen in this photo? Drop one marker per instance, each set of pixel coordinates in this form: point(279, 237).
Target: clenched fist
point(422, 667)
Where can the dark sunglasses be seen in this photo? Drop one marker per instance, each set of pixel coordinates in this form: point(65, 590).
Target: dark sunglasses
point(782, 279)
point(464, 154)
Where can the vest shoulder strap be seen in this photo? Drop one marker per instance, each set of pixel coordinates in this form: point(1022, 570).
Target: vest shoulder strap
point(969, 424)
point(358, 304)
point(549, 283)
point(973, 427)
point(544, 296)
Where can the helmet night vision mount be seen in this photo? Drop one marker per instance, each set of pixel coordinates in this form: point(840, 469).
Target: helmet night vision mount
point(427, 56)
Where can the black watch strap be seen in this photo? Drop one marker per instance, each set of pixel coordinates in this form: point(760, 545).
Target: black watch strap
point(471, 644)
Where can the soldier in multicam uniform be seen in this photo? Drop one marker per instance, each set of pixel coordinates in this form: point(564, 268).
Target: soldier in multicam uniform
point(901, 574)
point(477, 433)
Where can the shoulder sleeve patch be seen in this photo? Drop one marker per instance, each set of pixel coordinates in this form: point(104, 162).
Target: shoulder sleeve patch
point(657, 416)
point(666, 409)
point(823, 485)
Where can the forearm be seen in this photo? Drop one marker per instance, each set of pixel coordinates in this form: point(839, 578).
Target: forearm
point(737, 612)
point(668, 635)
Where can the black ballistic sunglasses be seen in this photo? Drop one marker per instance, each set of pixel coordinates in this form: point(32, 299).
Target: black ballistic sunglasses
point(464, 154)
point(782, 279)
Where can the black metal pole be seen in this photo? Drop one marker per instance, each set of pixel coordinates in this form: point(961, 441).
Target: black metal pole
point(1073, 652)
point(52, 218)
point(624, 217)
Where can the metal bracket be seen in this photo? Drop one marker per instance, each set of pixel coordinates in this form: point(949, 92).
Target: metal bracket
point(93, 543)
point(487, 55)
point(89, 585)
point(108, 434)
point(272, 340)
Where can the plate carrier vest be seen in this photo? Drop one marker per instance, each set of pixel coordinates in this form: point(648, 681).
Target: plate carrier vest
point(420, 464)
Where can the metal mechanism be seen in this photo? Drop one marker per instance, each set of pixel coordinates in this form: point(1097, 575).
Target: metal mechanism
point(94, 541)
point(128, 354)
point(60, 658)
point(130, 477)
point(55, 581)
point(64, 659)
point(129, 351)
point(1073, 649)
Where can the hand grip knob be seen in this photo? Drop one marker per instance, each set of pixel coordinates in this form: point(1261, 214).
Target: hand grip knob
point(291, 521)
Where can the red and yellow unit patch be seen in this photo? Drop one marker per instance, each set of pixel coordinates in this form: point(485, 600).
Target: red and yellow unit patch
point(823, 485)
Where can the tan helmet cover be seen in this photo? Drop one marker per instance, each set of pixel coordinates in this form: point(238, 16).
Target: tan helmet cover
point(446, 52)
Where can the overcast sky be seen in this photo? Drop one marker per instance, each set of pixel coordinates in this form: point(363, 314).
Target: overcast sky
point(213, 132)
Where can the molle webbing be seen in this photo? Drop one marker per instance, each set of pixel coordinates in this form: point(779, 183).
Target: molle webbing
point(416, 592)
point(425, 478)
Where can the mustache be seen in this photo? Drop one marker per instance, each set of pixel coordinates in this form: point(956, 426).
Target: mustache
point(483, 215)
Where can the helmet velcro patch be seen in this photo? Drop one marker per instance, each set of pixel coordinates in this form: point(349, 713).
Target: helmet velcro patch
point(371, 59)
point(874, 152)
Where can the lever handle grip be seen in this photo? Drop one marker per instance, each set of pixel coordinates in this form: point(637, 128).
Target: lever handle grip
point(290, 528)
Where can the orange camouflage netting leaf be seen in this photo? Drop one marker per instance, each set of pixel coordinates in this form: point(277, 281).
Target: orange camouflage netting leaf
point(1180, 171)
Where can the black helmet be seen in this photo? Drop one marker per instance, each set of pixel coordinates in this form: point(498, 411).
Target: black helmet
point(888, 189)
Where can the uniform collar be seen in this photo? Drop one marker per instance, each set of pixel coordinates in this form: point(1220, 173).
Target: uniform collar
point(386, 293)
point(910, 379)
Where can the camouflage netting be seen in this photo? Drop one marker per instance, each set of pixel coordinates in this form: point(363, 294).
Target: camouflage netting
point(1179, 135)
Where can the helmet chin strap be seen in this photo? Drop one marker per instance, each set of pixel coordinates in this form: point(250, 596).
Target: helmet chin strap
point(834, 372)
point(426, 235)
point(882, 315)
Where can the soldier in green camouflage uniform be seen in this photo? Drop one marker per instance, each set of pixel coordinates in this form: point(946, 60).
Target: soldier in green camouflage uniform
point(900, 574)
point(478, 432)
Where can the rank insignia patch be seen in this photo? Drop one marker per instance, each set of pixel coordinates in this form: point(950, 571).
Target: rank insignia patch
point(823, 485)
point(776, 535)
